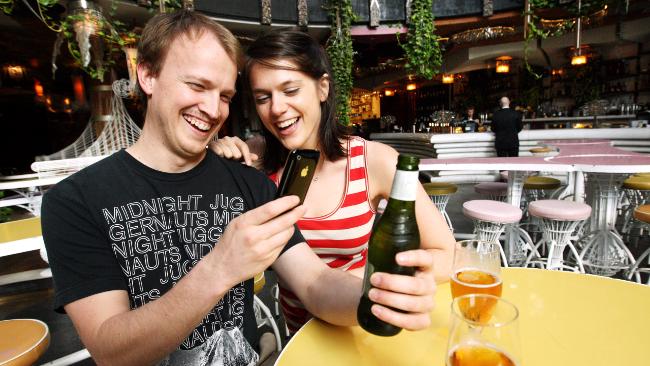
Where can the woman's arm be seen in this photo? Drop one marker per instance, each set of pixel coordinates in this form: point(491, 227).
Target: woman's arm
point(234, 148)
point(434, 232)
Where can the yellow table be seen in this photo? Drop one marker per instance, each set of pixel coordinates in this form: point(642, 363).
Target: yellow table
point(565, 319)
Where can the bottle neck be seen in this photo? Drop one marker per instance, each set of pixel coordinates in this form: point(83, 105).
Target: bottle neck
point(405, 186)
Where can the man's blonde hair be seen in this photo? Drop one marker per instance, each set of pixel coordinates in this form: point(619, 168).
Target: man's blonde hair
point(163, 29)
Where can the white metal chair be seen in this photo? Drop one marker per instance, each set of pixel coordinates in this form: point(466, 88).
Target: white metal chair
point(263, 314)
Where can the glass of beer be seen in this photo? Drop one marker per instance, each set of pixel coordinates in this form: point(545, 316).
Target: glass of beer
point(476, 268)
point(489, 342)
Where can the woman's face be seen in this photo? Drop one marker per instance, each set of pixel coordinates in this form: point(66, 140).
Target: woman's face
point(289, 103)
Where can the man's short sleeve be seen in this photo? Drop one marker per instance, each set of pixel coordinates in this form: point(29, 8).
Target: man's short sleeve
point(78, 252)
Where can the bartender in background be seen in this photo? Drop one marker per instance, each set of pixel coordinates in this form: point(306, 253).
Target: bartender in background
point(470, 123)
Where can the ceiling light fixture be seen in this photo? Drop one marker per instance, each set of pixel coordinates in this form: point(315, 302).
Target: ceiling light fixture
point(503, 64)
point(578, 57)
point(447, 78)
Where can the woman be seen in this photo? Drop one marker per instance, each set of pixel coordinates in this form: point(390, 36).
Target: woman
point(288, 76)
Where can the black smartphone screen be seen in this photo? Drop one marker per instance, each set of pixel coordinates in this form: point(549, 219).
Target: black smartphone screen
point(297, 174)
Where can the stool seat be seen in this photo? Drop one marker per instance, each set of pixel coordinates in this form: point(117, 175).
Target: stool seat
point(642, 213)
point(539, 182)
point(492, 211)
point(540, 150)
point(559, 210)
point(496, 188)
point(439, 188)
point(22, 341)
point(637, 182)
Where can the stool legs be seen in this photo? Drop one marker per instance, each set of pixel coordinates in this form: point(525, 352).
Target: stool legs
point(636, 270)
point(557, 235)
point(441, 203)
point(522, 242)
point(490, 232)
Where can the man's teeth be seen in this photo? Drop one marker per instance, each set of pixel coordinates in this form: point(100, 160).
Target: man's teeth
point(198, 124)
point(287, 123)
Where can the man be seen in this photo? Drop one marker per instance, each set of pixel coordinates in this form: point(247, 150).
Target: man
point(506, 124)
point(470, 124)
point(153, 248)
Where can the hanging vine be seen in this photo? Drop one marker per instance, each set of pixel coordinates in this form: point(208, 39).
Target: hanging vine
point(339, 50)
point(539, 28)
point(422, 48)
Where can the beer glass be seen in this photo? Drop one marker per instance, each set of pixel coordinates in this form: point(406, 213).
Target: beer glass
point(476, 268)
point(488, 342)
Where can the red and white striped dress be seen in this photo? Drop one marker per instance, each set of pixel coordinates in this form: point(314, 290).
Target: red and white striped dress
point(339, 238)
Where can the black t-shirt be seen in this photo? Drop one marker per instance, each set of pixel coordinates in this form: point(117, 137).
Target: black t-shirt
point(120, 225)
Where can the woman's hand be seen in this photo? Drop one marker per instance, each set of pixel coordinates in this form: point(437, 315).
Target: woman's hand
point(411, 296)
point(233, 148)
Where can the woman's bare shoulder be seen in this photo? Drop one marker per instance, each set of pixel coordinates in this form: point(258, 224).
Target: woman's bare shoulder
point(380, 154)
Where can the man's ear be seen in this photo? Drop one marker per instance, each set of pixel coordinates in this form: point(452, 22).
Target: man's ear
point(323, 87)
point(145, 79)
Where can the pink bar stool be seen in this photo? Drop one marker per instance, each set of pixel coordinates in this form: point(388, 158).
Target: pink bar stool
point(495, 191)
point(558, 220)
point(490, 219)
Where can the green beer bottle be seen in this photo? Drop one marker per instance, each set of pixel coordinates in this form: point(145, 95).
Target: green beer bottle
point(396, 231)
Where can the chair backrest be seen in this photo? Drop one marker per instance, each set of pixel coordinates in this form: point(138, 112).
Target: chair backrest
point(20, 229)
point(20, 236)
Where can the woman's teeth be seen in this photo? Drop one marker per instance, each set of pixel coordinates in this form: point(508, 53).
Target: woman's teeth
point(287, 123)
point(198, 124)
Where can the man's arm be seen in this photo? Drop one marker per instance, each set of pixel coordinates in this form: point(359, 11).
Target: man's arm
point(116, 335)
point(333, 295)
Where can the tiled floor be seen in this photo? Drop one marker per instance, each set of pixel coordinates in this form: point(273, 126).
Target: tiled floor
point(33, 299)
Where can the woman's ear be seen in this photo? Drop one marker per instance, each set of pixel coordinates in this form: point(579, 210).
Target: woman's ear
point(145, 79)
point(323, 87)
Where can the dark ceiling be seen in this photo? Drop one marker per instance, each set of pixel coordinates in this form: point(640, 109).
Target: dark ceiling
point(26, 39)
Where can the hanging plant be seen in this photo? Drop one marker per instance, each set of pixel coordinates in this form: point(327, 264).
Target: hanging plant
point(339, 50)
point(539, 28)
point(422, 48)
point(103, 45)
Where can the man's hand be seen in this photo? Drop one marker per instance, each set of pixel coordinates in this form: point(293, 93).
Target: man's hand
point(233, 148)
point(252, 241)
point(414, 295)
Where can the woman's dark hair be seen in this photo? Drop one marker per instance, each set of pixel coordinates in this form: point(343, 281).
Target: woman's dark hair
point(309, 57)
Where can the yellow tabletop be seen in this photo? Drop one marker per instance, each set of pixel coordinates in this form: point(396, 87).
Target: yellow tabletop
point(565, 319)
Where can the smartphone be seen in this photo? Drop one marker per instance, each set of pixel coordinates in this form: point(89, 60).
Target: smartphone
point(297, 174)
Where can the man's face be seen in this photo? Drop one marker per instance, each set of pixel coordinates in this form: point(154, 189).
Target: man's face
point(189, 99)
